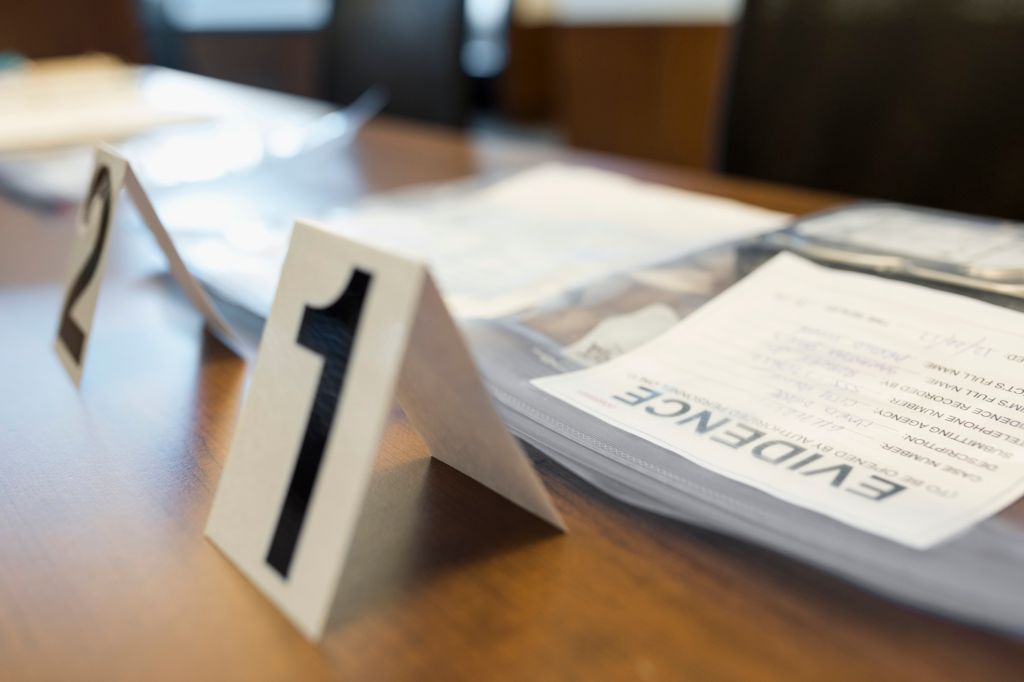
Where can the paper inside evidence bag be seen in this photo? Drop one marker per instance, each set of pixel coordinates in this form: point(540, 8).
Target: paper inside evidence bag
point(890, 407)
point(502, 247)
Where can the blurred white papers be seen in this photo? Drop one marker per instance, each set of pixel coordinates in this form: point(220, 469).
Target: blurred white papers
point(508, 246)
point(78, 101)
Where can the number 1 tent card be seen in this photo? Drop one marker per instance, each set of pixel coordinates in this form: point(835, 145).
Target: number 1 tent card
point(112, 173)
point(351, 328)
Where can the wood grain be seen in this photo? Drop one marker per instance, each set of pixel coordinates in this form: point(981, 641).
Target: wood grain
point(105, 574)
point(61, 28)
point(646, 91)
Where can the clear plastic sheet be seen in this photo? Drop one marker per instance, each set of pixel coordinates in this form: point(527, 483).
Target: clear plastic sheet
point(977, 577)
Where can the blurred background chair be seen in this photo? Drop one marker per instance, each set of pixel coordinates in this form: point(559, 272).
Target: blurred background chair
point(920, 101)
point(410, 47)
point(330, 49)
point(273, 44)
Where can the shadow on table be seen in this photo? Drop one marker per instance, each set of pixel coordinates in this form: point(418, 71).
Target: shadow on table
point(423, 519)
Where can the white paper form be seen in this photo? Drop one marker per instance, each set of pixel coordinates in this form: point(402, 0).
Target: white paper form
point(893, 408)
point(555, 227)
point(498, 250)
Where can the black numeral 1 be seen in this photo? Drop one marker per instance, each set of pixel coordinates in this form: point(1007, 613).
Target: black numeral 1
point(330, 332)
point(70, 333)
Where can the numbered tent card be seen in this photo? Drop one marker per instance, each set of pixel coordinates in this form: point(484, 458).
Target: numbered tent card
point(112, 173)
point(88, 257)
point(890, 407)
point(351, 328)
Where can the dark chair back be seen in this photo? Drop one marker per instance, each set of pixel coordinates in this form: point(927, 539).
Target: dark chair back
point(410, 47)
point(920, 101)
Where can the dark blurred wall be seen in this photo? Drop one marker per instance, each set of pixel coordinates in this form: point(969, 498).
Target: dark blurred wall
point(647, 91)
point(55, 28)
point(289, 61)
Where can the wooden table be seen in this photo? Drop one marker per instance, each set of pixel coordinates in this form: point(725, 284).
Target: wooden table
point(105, 573)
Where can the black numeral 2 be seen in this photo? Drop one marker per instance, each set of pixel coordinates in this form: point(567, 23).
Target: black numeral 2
point(331, 333)
point(70, 333)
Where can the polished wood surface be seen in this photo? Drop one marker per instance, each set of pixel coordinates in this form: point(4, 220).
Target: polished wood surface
point(104, 491)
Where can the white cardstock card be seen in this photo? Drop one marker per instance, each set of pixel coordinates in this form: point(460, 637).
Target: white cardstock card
point(111, 174)
point(351, 328)
point(890, 407)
